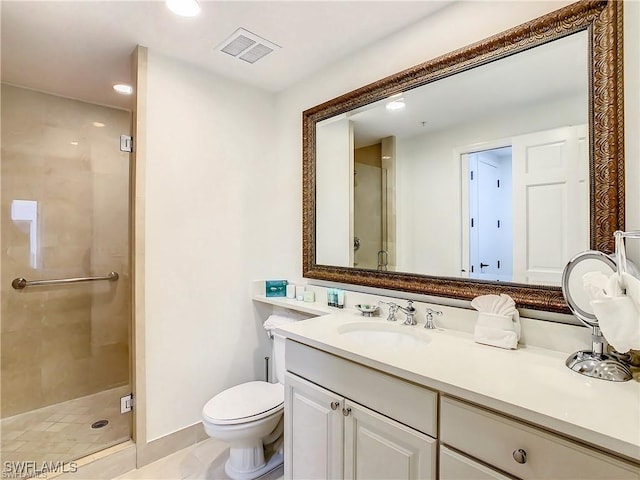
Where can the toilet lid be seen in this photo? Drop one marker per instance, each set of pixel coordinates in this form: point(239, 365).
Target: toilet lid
point(245, 402)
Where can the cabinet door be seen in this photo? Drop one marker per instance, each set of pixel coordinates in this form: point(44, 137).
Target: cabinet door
point(377, 447)
point(454, 466)
point(313, 431)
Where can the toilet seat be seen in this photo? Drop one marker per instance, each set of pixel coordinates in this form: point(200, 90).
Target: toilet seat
point(244, 403)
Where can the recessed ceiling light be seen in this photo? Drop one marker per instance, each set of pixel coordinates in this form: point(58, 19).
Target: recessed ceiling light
point(98, 124)
point(184, 8)
point(74, 143)
point(395, 104)
point(123, 89)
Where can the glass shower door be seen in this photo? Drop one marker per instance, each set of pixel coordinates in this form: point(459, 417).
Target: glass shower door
point(65, 355)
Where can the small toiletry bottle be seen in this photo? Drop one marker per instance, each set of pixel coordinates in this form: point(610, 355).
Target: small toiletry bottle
point(340, 298)
point(309, 296)
point(300, 292)
point(291, 291)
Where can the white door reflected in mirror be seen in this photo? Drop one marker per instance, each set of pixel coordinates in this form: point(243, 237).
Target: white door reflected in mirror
point(527, 206)
point(490, 214)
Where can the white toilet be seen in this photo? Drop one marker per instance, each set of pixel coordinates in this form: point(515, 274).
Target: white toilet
point(249, 417)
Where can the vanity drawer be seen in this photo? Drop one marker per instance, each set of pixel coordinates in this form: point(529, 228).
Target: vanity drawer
point(493, 439)
point(454, 466)
point(406, 402)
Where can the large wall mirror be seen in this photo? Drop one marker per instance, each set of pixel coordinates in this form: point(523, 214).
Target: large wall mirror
point(481, 171)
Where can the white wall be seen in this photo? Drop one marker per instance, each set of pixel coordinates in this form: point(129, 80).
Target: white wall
point(216, 197)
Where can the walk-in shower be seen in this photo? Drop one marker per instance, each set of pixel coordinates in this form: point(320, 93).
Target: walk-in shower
point(65, 355)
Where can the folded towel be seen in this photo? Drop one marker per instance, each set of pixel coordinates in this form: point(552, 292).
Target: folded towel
point(598, 285)
point(632, 286)
point(619, 321)
point(498, 321)
point(501, 304)
point(615, 300)
point(274, 321)
point(496, 337)
point(485, 303)
point(504, 322)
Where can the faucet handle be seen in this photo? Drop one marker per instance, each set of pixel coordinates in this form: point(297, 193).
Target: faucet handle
point(430, 313)
point(393, 309)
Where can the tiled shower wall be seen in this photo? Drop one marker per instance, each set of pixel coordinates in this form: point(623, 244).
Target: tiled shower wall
point(64, 341)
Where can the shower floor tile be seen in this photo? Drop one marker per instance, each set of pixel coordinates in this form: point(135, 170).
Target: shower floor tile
point(62, 432)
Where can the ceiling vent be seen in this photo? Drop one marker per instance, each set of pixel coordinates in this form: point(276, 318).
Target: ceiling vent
point(247, 46)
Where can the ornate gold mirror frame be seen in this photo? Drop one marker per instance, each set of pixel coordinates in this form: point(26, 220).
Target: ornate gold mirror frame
point(603, 21)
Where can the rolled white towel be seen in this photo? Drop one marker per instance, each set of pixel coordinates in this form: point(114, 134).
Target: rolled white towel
point(274, 321)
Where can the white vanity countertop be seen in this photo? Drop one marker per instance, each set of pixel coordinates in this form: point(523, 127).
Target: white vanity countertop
point(531, 383)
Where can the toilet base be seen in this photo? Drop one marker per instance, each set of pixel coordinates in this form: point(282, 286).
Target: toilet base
point(252, 472)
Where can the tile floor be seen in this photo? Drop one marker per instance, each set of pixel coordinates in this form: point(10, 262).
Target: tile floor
point(203, 461)
point(63, 432)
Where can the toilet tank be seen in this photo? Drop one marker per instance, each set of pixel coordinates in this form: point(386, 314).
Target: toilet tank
point(277, 355)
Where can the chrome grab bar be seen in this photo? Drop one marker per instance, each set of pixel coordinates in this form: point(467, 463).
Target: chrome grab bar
point(20, 283)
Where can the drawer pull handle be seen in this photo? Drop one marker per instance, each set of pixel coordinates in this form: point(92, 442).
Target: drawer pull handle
point(520, 456)
point(346, 411)
point(335, 405)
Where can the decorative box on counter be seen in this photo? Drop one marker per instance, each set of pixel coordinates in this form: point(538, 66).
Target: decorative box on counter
point(276, 288)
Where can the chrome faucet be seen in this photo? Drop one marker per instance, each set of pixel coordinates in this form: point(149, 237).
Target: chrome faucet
point(393, 309)
point(410, 312)
point(429, 323)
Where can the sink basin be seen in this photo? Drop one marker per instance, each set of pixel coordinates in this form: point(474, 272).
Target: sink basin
point(384, 335)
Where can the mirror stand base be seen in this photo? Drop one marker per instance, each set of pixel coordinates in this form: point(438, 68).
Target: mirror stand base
point(599, 365)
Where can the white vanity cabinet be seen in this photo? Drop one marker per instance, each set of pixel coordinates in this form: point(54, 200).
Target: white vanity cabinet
point(332, 436)
point(516, 448)
point(487, 428)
